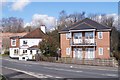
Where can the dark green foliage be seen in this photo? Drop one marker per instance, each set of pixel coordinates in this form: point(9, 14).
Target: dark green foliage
point(49, 46)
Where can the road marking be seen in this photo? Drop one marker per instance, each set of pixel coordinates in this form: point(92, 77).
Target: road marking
point(37, 75)
point(59, 69)
point(110, 75)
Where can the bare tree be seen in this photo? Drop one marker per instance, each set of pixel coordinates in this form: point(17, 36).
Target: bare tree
point(76, 16)
point(108, 21)
point(66, 20)
point(12, 24)
point(96, 17)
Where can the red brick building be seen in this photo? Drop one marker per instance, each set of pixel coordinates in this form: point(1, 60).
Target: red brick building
point(85, 39)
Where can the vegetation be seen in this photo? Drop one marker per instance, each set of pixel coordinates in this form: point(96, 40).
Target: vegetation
point(51, 43)
point(48, 46)
point(6, 52)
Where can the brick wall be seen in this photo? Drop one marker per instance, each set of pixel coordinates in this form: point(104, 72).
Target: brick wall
point(103, 43)
point(65, 43)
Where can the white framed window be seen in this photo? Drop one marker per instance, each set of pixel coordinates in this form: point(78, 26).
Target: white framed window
point(13, 42)
point(89, 53)
point(68, 35)
point(100, 35)
point(24, 51)
point(25, 42)
point(78, 53)
point(77, 35)
point(100, 50)
point(30, 51)
point(68, 51)
point(89, 35)
point(15, 51)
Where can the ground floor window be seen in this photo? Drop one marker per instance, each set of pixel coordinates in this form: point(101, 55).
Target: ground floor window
point(30, 51)
point(15, 51)
point(89, 53)
point(24, 51)
point(78, 53)
point(100, 50)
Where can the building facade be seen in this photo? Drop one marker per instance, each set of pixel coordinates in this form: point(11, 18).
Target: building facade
point(85, 39)
point(26, 47)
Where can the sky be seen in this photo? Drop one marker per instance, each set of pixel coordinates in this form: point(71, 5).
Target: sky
point(31, 11)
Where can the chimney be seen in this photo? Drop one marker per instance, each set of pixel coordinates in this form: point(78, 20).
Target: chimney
point(43, 28)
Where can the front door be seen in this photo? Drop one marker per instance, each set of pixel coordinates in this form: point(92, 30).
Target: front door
point(78, 53)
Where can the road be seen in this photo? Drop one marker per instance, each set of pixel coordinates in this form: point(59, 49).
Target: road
point(57, 70)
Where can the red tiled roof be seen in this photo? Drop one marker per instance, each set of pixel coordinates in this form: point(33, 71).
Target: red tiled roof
point(8, 35)
point(37, 33)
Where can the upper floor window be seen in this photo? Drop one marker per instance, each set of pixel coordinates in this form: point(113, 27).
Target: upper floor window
point(25, 42)
point(68, 35)
point(100, 50)
point(77, 35)
point(89, 35)
point(100, 35)
point(13, 42)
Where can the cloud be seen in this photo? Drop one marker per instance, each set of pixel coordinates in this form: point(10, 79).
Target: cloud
point(39, 19)
point(20, 4)
point(2, 3)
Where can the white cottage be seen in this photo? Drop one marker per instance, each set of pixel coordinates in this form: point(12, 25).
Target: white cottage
point(27, 45)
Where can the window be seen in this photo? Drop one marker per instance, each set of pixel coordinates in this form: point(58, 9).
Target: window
point(100, 35)
point(77, 35)
point(30, 51)
point(25, 42)
point(13, 42)
point(100, 51)
point(16, 51)
point(24, 51)
point(68, 51)
point(89, 35)
point(78, 53)
point(68, 35)
point(89, 53)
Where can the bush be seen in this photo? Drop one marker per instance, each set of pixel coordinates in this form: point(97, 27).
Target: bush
point(6, 52)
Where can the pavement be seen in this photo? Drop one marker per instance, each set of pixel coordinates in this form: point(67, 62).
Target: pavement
point(32, 69)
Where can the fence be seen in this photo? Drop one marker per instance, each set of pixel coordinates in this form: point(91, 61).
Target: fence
point(98, 62)
point(67, 60)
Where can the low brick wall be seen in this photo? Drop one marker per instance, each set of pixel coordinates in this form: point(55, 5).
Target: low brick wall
point(97, 62)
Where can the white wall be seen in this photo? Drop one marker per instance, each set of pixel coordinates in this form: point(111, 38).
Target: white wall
point(30, 42)
point(28, 55)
